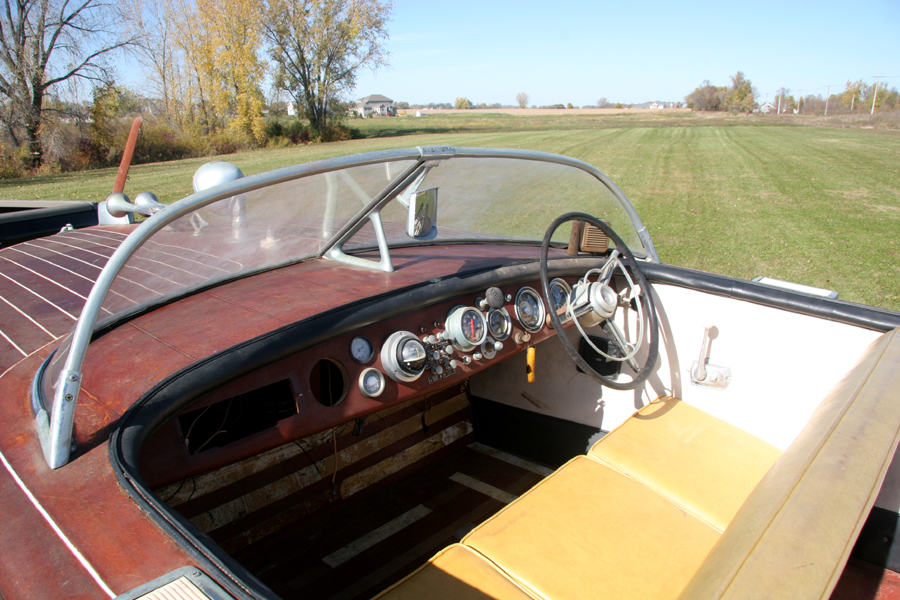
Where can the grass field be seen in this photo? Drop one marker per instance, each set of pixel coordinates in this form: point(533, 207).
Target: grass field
point(743, 197)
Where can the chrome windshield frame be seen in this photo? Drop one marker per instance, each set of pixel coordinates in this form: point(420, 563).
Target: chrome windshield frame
point(55, 427)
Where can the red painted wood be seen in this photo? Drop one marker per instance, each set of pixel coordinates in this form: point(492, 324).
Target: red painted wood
point(86, 502)
point(863, 581)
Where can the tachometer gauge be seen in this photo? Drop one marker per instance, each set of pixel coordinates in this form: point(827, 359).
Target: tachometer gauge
point(361, 350)
point(466, 328)
point(530, 310)
point(499, 324)
point(559, 295)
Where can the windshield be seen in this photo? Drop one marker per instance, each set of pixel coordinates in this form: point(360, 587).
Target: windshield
point(479, 198)
point(502, 198)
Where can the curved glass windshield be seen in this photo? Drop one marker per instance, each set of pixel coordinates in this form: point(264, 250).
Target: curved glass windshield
point(479, 198)
point(503, 198)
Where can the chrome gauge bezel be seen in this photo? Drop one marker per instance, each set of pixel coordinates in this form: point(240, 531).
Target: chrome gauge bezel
point(362, 385)
point(542, 310)
point(565, 285)
point(455, 328)
point(391, 362)
point(503, 334)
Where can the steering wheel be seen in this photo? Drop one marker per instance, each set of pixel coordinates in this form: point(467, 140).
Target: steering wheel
point(596, 302)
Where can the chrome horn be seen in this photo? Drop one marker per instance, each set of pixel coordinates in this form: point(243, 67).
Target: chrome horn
point(145, 203)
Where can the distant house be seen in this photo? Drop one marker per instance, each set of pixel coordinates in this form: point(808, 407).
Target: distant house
point(375, 105)
point(291, 111)
point(657, 106)
point(766, 108)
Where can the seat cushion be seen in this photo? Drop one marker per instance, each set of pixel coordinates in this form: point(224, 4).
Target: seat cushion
point(700, 462)
point(457, 572)
point(588, 531)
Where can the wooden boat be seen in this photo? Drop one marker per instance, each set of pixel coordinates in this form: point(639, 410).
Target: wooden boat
point(431, 373)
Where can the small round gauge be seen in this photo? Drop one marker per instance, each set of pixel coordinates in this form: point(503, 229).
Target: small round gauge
point(499, 324)
point(466, 327)
point(559, 294)
point(530, 310)
point(361, 350)
point(371, 383)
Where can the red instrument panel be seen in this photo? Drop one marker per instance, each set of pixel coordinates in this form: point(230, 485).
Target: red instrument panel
point(166, 457)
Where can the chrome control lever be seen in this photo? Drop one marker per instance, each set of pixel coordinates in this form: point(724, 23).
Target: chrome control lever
point(706, 373)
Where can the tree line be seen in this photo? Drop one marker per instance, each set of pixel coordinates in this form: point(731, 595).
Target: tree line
point(203, 63)
point(741, 96)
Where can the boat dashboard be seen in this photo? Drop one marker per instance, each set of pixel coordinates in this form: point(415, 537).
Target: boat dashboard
point(352, 375)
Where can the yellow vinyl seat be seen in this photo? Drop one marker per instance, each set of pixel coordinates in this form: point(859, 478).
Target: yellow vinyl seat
point(456, 573)
point(588, 531)
point(701, 463)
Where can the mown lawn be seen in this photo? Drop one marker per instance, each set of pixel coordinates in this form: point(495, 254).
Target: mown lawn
point(816, 205)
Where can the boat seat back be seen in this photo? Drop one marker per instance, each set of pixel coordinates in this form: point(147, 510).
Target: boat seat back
point(793, 535)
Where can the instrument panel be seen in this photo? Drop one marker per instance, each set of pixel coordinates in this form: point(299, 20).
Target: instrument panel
point(383, 364)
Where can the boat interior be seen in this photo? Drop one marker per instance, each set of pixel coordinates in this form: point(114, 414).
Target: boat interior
point(517, 475)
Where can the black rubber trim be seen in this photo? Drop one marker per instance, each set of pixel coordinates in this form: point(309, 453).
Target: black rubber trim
point(176, 392)
point(850, 313)
point(24, 225)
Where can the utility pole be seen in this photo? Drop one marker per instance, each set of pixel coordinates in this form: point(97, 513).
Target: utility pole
point(778, 112)
point(875, 95)
point(827, 96)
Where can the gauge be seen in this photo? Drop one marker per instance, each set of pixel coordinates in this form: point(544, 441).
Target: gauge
point(361, 350)
point(466, 327)
point(499, 324)
point(530, 310)
point(559, 295)
point(403, 356)
point(371, 383)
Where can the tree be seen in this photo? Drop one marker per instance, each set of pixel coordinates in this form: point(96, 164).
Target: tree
point(231, 53)
point(742, 96)
point(46, 42)
point(603, 103)
point(707, 97)
point(522, 99)
point(852, 93)
point(318, 47)
point(463, 103)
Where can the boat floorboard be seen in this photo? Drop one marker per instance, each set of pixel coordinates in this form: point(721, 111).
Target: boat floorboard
point(356, 547)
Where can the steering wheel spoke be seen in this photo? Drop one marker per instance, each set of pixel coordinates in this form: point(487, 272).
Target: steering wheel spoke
point(602, 305)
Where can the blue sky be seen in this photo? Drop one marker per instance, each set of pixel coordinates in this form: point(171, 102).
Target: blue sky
point(626, 51)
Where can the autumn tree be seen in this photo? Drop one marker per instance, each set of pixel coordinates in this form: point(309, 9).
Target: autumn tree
point(852, 93)
point(707, 97)
point(741, 96)
point(44, 43)
point(319, 46)
point(522, 99)
point(463, 103)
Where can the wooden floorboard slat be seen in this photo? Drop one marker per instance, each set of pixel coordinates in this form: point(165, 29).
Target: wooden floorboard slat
point(290, 561)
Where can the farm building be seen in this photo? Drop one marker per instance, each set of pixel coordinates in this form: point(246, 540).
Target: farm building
point(375, 105)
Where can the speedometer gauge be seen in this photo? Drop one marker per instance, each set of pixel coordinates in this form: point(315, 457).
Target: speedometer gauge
point(559, 295)
point(530, 310)
point(466, 327)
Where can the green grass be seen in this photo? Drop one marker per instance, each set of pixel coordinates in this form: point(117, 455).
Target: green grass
point(816, 205)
